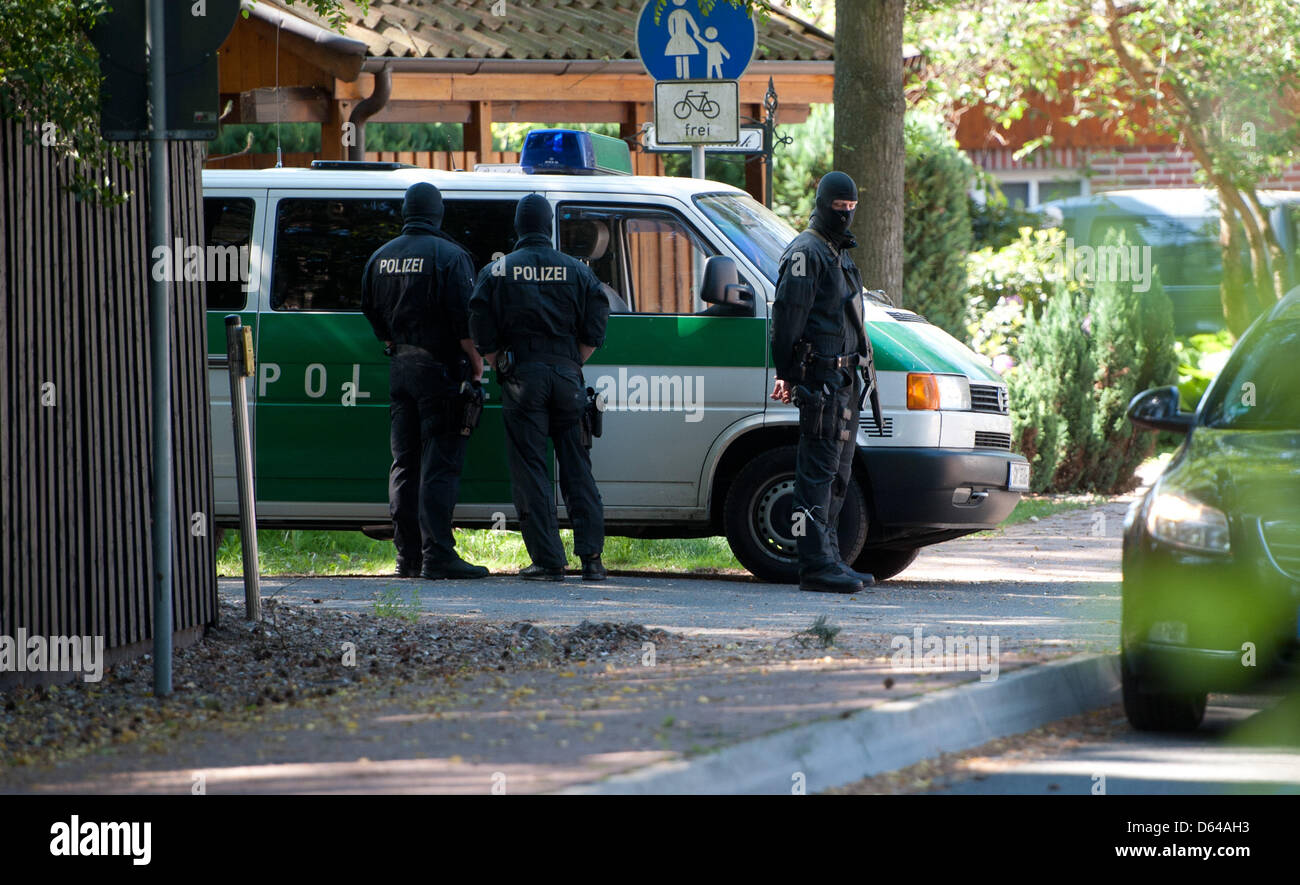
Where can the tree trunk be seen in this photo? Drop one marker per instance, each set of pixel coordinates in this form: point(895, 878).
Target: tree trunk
point(1233, 287)
point(869, 109)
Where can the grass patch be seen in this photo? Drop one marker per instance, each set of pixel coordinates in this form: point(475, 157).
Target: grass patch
point(352, 553)
point(1043, 506)
point(391, 604)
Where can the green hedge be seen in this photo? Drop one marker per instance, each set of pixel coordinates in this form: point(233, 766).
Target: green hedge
point(1080, 358)
point(937, 222)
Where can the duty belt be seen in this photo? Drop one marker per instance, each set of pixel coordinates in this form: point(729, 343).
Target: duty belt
point(842, 361)
point(855, 361)
point(545, 350)
point(408, 349)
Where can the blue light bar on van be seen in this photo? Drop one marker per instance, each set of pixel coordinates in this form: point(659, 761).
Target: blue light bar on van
point(574, 152)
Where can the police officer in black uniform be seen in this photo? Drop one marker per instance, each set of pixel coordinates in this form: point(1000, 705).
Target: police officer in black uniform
point(415, 292)
point(536, 316)
point(820, 351)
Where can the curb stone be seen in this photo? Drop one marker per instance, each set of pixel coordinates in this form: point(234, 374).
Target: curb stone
point(834, 752)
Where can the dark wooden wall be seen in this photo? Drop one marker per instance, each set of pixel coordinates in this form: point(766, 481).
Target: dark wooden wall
point(75, 554)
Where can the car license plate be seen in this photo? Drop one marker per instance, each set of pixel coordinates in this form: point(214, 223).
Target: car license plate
point(1017, 477)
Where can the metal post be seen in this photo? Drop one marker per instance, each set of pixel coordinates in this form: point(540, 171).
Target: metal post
point(769, 137)
point(160, 358)
point(697, 161)
point(238, 350)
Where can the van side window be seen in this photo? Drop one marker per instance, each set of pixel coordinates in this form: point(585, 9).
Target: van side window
point(592, 234)
point(665, 262)
point(228, 234)
point(322, 246)
point(649, 260)
point(483, 227)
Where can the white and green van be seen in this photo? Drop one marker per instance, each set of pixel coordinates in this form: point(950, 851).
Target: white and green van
point(692, 444)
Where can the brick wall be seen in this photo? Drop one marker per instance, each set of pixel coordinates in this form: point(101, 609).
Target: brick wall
point(1119, 168)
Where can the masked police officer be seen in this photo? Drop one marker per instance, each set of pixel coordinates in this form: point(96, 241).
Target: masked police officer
point(415, 292)
point(819, 346)
point(536, 316)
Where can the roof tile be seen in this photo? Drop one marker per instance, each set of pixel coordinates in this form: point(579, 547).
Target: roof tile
point(536, 29)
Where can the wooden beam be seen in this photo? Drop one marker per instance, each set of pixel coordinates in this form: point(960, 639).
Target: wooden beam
point(292, 104)
point(423, 112)
point(559, 111)
point(794, 89)
point(478, 131)
point(332, 146)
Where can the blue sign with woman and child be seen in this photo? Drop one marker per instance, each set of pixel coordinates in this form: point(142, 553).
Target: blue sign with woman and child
point(686, 44)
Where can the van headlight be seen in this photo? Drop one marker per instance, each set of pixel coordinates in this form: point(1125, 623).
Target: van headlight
point(1188, 524)
point(931, 391)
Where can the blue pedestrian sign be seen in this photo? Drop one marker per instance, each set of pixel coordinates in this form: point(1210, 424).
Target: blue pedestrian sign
point(686, 44)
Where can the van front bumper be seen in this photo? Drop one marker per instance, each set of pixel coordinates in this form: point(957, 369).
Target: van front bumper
point(953, 491)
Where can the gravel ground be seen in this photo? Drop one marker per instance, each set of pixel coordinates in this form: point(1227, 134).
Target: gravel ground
point(295, 657)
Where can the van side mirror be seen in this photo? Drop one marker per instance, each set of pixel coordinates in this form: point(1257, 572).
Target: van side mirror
point(1157, 409)
point(721, 285)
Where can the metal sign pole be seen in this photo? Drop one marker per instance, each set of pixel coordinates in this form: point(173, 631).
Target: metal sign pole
point(240, 358)
point(160, 358)
point(697, 161)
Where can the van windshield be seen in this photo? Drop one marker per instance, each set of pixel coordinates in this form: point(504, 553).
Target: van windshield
point(757, 232)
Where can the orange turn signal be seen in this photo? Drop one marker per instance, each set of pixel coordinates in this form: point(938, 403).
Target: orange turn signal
point(922, 391)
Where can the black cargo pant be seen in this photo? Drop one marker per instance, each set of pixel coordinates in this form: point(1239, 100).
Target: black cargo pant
point(428, 453)
point(542, 400)
point(828, 433)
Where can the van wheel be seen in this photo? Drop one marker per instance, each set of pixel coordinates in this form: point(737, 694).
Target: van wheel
point(1159, 710)
point(758, 513)
point(884, 564)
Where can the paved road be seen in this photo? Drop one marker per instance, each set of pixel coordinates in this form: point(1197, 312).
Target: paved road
point(1245, 745)
point(1055, 583)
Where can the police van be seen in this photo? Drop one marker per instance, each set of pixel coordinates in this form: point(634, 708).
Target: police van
point(692, 446)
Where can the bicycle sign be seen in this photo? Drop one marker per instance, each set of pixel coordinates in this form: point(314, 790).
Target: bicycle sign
point(696, 101)
point(697, 112)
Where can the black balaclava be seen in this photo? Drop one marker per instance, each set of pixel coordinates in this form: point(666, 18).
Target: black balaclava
point(533, 216)
point(422, 208)
point(834, 223)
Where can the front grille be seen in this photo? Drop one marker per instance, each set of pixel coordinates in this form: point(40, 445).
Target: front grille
point(989, 398)
point(906, 316)
point(988, 439)
point(1282, 537)
point(868, 425)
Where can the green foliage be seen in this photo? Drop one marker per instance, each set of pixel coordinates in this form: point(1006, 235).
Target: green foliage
point(936, 225)
point(996, 223)
point(49, 84)
point(1051, 392)
point(234, 138)
point(390, 604)
point(1007, 285)
point(1082, 356)
point(1132, 342)
point(1200, 357)
point(1203, 73)
point(801, 164)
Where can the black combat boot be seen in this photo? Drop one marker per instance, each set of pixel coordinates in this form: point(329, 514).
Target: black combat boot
point(829, 579)
point(452, 569)
point(592, 568)
point(541, 573)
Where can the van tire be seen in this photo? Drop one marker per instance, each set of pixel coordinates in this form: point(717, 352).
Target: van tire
point(761, 497)
point(884, 564)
